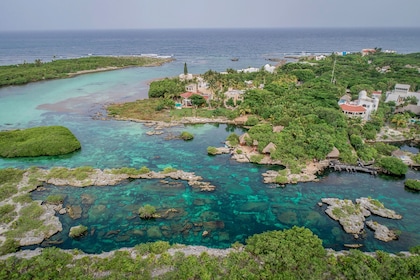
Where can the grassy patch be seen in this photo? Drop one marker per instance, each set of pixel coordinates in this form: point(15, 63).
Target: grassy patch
point(23, 198)
point(38, 141)
point(7, 213)
point(169, 169)
point(131, 170)
point(28, 220)
point(339, 213)
point(211, 150)
point(79, 173)
point(55, 199)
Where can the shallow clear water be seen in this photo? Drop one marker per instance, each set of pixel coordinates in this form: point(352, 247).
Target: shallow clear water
point(240, 206)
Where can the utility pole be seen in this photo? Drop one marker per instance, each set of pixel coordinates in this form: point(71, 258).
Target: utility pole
point(332, 74)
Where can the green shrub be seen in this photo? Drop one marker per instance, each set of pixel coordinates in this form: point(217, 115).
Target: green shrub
point(144, 170)
point(415, 250)
point(239, 151)
point(233, 139)
point(38, 141)
point(147, 211)
point(256, 158)
point(185, 135)
point(412, 184)
point(159, 247)
point(169, 169)
point(393, 165)
point(211, 150)
point(281, 179)
point(251, 121)
point(9, 246)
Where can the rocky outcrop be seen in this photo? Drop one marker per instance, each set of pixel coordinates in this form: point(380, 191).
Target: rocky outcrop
point(352, 216)
point(382, 232)
point(377, 208)
point(50, 223)
point(77, 231)
point(107, 178)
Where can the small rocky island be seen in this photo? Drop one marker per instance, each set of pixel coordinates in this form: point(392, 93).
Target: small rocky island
point(352, 216)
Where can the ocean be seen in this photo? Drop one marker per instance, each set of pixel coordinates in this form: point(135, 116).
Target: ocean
point(203, 49)
point(241, 205)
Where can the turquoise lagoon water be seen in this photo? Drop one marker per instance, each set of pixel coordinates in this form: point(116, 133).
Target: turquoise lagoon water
point(241, 205)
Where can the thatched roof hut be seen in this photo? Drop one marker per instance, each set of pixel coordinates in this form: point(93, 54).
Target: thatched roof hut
point(334, 154)
point(269, 148)
point(255, 143)
point(278, 128)
point(242, 139)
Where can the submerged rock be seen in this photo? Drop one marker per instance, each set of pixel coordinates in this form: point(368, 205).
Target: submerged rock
point(74, 211)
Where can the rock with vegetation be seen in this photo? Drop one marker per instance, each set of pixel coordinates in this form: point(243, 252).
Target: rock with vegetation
point(38, 141)
point(349, 215)
point(147, 212)
point(217, 150)
point(412, 184)
point(352, 216)
point(376, 207)
point(185, 135)
point(78, 231)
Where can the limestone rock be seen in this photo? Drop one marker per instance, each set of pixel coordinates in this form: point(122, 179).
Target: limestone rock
point(382, 232)
point(377, 208)
point(77, 231)
point(346, 213)
point(74, 211)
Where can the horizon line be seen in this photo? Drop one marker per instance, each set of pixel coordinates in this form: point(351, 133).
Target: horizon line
point(212, 28)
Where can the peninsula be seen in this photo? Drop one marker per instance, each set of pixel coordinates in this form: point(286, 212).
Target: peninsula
point(21, 74)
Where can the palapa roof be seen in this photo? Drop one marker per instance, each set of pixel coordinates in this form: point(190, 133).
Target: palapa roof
point(335, 153)
point(278, 128)
point(269, 148)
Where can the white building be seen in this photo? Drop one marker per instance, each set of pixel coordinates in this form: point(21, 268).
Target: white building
point(400, 93)
point(363, 107)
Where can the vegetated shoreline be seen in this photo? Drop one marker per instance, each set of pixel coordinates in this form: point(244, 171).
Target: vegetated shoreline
point(154, 62)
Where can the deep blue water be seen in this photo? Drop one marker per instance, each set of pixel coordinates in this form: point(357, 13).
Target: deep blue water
point(203, 49)
point(241, 205)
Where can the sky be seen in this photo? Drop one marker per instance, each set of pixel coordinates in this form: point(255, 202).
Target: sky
point(28, 15)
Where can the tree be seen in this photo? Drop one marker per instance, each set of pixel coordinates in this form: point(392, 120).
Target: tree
point(285, 254)
point(185, 69)
point(197, 100)
point(393, 165)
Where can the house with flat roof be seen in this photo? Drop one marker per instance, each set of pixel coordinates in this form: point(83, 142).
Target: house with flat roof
point(401, 93)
